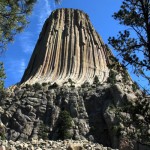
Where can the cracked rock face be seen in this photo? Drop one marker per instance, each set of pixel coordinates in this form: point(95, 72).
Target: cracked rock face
point(103, 114)
point(68, 48)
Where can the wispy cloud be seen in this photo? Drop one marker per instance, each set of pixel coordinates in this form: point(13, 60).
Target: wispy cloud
point(22, 66)
point(17, 66)
point(41, 12)
point(16, 69)
point(44, 12)
point(26, 42)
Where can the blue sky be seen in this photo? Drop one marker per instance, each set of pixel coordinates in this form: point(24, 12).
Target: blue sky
point(17, 56)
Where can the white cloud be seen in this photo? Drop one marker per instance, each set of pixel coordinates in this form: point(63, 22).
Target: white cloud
point(41, 12)
point(26, 42)
point(44, 12)
point(22, 66)
point(17, 66)
point(16, 69)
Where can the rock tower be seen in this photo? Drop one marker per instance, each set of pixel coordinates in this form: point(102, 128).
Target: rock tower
point(68, 48)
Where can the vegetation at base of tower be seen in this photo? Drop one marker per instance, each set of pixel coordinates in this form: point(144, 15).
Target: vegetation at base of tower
point(43, 132)
point(2, 133)
point(112, 77)
point(135, 86)
point(125, 75)
point(64, 124)
point(133, 44)
point(113, 64)
point(85, 84)
point(44, 84)
point(71, 82)
point(37, 86)
point(2, 76)
point(55, 85)
point(29, 86)
point(96, 80)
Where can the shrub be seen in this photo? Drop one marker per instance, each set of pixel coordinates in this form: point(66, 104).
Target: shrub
point(29, 87)
point(2, 133)
point(37, 86)
point(44, 84)
point(85, 84)
point(71, 82)
point(112, 77)
point(125, 75)
point(3, 93)
point(96, 80)
point(64, 123)
point(55, 85)
point(43, 132)
point(135, 86)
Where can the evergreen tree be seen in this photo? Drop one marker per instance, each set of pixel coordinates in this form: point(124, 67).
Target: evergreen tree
point(64, 124)
point(133, 44)
point(13, 19)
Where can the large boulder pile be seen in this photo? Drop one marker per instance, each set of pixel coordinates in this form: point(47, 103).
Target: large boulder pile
point(109, 114)
point(52, 145)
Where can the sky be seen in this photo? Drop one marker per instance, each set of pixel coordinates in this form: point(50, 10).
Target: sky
point(17, 57)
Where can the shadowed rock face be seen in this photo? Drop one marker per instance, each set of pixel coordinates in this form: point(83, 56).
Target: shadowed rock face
point(68, 47)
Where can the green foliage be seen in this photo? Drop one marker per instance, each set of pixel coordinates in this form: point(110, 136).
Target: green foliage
point(112, 77)
point(44, 84)
point(3, 93)
point(71, 82)
point(28, 86)
point(116, 129)
point(2, 133)
point(133, 44)
point(43, 132)
point(37, 86)
point(135, 86)
point(125, 75)
point(55, 85)
point(64, 123)
point(2, 76)
point(13, 19)
point(85, 84)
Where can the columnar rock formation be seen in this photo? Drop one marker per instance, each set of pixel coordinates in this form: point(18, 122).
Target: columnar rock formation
point(68, 47)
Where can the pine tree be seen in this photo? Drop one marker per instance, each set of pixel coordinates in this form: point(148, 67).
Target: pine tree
point(64, 124)
point(133, 44)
